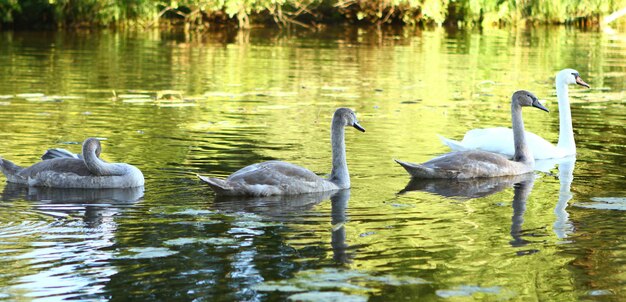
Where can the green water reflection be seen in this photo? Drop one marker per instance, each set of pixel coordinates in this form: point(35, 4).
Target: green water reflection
point(176, 105)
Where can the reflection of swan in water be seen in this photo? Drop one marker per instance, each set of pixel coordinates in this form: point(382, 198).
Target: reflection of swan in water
point(97, 204)
point(339, 203)
point(286, 206)
point(57, 195)
point(481, 187)
point(465, 188)
point(562, 225)
point(75, 249)
point(521, 191)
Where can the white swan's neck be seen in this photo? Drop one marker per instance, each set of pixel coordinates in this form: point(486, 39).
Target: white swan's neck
point(101, 168)
point(566, 131)
point(339, 174)
point(522, 153)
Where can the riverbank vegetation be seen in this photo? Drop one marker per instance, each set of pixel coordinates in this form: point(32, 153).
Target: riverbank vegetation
point(306, 13)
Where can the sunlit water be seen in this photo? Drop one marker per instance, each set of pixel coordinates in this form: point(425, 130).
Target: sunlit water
point(175, 106)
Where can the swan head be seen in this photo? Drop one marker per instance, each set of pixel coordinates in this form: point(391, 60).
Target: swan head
point(92, 145)
point(347, 118)
point(528, 99)
point(570, 76)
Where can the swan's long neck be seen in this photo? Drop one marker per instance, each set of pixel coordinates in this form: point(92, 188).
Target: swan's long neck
point(566, 131)
point(522, 153)
point(339, 174)
point(99, 167)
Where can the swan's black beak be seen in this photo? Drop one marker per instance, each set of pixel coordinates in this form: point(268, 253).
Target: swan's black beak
point(358, 127)
point(580, 82)
point(536, 104)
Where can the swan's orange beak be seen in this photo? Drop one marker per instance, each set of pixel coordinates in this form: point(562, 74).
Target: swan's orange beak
point(580, 82)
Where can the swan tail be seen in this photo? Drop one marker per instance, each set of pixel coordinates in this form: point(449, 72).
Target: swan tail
point(220, 186)
point(11, 170)
point(58, 153)
point(453, 144)
point(417, 170)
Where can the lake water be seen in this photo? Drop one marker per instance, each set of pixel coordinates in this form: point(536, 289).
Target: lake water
point(175, 105)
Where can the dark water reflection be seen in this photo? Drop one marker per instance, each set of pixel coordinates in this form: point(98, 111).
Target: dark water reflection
point(176, 105)
point(465, 188)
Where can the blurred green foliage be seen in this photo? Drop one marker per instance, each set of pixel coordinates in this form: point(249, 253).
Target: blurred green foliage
point(204, 13)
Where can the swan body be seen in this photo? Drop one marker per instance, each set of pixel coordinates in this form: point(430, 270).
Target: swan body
point(466, 164)
point(500, 139)
point(66, 172)
point(478, 163)
point(282, 178)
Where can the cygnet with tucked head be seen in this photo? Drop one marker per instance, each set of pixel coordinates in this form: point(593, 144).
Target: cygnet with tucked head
point(90, 172)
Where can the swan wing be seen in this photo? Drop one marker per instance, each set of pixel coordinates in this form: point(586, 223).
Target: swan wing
point(57, 165)
point(59, 153)
point(473, 163)
point(454, 145)
point(275, 178)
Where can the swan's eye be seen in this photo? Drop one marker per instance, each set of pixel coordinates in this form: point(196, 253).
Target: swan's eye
point(575, 74)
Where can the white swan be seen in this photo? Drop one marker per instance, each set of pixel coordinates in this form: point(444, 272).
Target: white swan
point(66, 172)
point(500, 139)
point(478, 163)
point(282, 178)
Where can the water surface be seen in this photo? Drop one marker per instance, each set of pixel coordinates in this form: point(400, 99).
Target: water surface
point(176, 105)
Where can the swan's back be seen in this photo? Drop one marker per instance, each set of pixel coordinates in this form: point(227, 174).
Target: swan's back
point(466, 164)
point(271, 172)
point(57, 165)
point(270, 178)
point(59, 153)
point(130, 178)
